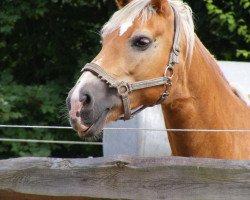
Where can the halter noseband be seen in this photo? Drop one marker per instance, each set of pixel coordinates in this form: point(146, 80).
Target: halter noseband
point(124, 88)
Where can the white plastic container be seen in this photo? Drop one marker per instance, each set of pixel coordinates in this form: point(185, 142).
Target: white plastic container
point(134, 142)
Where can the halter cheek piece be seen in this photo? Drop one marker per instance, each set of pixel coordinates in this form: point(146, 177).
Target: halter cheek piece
point(124, 88)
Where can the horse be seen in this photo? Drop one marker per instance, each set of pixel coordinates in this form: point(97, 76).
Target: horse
point(151, 55)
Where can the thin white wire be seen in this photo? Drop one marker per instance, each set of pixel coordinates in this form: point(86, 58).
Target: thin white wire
point(179, 130)
point(97, 143)
point(31, 126)
point(136, 129)
point(43, 141)
point(48, 141)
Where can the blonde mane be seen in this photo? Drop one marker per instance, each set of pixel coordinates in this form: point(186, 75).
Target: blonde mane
point(124, 18)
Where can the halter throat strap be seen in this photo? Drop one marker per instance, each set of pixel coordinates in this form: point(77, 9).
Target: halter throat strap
point(124, 88)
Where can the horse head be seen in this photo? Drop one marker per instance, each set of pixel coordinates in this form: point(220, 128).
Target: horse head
point(140, 46)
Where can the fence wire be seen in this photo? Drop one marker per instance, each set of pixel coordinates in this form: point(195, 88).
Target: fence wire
point(111, 129)
point(136, 129)
point(44, 141)
point(48, 141)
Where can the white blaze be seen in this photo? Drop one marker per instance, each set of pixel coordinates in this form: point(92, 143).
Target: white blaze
point(125, 26)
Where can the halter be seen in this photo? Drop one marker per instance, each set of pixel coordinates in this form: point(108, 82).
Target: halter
point(124, 88)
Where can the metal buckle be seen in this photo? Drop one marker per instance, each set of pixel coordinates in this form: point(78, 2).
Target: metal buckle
point(165, 95)
point(123, 88)
point(169, 69)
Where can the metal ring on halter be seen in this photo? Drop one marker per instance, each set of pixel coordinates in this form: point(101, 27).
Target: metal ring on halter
point(169, 69)
point(123, 88)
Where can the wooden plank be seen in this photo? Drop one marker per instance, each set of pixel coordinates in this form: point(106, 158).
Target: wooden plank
point(8, 195)
point(127, 178)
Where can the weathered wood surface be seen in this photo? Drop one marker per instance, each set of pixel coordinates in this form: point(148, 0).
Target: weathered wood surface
point(124, 178)
point(8, 195)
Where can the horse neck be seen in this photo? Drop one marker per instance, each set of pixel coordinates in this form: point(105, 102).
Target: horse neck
point(201, 98)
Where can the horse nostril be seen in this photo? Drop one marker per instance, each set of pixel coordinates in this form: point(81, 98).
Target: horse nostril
point(85, 99)
point(78, 114)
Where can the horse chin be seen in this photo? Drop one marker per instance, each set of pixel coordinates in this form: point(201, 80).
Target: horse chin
point(96, 128)
point(115, 115)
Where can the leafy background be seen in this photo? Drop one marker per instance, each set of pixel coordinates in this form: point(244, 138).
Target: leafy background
point(44, 44)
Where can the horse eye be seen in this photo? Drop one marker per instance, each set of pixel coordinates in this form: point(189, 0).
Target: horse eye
point(141, 43)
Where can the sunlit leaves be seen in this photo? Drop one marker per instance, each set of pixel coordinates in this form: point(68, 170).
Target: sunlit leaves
point(231, 22)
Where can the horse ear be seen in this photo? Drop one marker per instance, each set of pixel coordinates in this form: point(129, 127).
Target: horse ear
point(161, 6)
point(122, 3)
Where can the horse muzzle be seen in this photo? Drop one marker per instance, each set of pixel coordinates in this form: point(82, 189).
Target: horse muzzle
point(89, 103)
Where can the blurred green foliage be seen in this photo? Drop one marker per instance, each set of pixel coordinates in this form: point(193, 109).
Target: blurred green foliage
point(230, 25)
point(45, 43)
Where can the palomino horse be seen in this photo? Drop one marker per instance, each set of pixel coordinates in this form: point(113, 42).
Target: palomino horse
point(151, 55)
